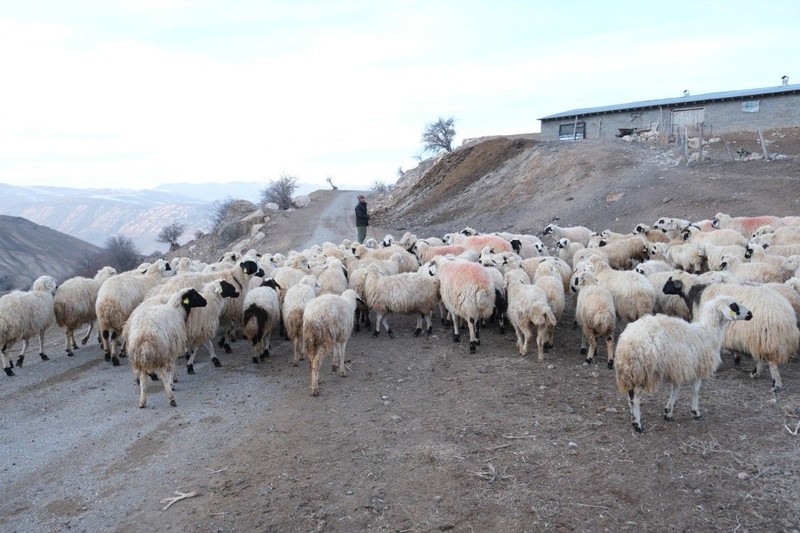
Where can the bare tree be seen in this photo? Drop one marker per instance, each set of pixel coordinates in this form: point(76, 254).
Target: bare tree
point(219, 210)
point(329, 179)
point(381, 187)
point(280, 191)
point(170, 233)
point(120, 253)
point(439, 135)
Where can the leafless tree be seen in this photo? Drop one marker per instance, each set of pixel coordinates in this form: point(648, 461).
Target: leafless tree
point(439, 135)
point(120, 253)
point(280, 191)
point(382, 187)
point(219, 210)
point(329, 179)
point(170, 233)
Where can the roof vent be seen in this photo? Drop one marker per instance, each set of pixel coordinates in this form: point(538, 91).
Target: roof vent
point(784, 80)
point(686, 92)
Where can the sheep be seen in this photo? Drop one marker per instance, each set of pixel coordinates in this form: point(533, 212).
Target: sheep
point(622, 254)
point(527, 307)
point(262, 312)
point(671, 226)
point(668, 304)
point(202, 324)
point(651, 234)
point(744, 225)
point(332, 279)
point(524, 245)
point(687, 257)
point(660, 348)
point(579, 234)
point(751, 272)
point(156, 336)
point(409, 262)
point(720, 237)
point(786, 250)
point(467, 292)
point(407, 293)
point(595, 313)
point(566, 250)
point(292, 309)
point(239, 276)
point(426, 253)
point(633, 296)
point(356, 282)
point(772, 336)
point(757, 254)
point(651, 266)
point(327, 325)
point(23, 315)
point(548, 278)
point(118, 297)
point(714, 253)
point(74, 303)
point(531, 264)
point(791, 266)
point(389, 266)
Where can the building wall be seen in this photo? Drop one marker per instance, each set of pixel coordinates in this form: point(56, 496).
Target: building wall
point(778, 111)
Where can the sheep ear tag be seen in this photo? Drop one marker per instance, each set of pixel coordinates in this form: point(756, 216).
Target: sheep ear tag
point(732, 313)
point(186, 301)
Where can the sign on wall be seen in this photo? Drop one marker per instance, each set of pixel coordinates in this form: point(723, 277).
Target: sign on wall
point(750, 106)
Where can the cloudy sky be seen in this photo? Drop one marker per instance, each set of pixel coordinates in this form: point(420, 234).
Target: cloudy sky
point(135, 93)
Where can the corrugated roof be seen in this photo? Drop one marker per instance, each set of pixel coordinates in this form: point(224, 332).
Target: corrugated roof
point(681, 100)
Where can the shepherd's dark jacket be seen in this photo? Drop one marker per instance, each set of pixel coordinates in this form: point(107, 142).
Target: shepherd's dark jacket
point(362, 218)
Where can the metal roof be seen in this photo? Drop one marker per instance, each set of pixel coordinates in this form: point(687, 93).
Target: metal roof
point(681, 100)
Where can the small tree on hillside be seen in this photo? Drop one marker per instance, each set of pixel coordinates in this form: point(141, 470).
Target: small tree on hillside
point(280, 191)
point(219, 210)
point(329, 179)
point(382, 187)
point(121, 253)
point(170, 233)
point(439, 135)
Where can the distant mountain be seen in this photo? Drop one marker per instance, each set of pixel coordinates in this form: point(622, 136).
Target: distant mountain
point(244, 190)
point(30, 250)
point(93, 215)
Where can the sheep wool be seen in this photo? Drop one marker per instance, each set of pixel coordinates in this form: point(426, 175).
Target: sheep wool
point(74, 305)
point(656, 349)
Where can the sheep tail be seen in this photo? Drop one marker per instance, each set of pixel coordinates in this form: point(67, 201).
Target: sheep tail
point(260, 316)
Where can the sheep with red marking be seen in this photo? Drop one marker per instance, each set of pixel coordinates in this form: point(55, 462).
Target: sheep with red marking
point(467, 291)
point(744, 225)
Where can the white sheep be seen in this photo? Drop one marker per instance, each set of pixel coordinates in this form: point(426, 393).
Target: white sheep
point(661, 348)
point(333, 279)
point(791, 266)
point(406, 293)
point(292, 309)
point(720, 237)
point(527, 307)
point(467, 292)
point(548, 278)
point(566, 249)
point(579, 234)
point(687, 257)
point(262, 312)
point(118, 297)
point(633, 295)
point(651, 234)
point(74, 305)
point(327, 325)
point(24, 314)
point(156, 336)
point(595, 313)
point(408, 263)
point(202, 324)
point(651, 266)
point(772, 336)
point(751, 272)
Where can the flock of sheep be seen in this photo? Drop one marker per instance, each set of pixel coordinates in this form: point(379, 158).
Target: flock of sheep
point(665, 299)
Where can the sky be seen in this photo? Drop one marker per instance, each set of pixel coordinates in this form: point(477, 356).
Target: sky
point(137, 93)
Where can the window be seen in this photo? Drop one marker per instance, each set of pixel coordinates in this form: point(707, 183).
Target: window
point(570, 132)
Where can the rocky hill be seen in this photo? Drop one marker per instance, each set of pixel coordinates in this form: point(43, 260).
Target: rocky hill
point(30, 250)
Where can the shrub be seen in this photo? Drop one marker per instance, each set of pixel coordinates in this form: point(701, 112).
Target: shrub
point(219, 210)
point(381, 187)
point(279, 192)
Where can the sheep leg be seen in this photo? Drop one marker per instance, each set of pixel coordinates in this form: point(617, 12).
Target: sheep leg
point(541, 333)
point(166, 377)
point(338, 354)
point(756, 372)
point(223, 343)
point(297, 344)
point(7, 364)
point(634, 400)
point(67, 344)
point(387, 326)
point(85, 338)
point(190, 361)
point(777, 384)
point(21, 357)
point(696, 399)
point(429, 323)
point(592, 348)
point(315, 361)
point(548, 339)
point(106, 344)
point(142, 379)
point(610, 349)
point(473, 327)
point(456, 336)
point(418, 329)
point(673, 395)
point(41, 346)
point(583, 345)
point(378, 318)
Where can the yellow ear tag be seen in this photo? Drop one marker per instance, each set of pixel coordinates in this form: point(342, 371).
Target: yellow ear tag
point(186, 301)
point(732, 313)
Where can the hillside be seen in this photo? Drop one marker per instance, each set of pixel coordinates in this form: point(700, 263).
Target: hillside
point(30, 250)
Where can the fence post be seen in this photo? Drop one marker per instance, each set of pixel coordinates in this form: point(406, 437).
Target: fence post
point(763, 144)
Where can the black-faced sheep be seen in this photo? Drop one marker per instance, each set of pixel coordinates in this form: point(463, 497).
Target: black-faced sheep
point(660, 348)
point(203, 323)
point(24, 315)
point(156, 336)
point(327, 325)
point(772, 336)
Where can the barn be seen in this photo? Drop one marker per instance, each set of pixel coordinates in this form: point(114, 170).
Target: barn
point(711, 113)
